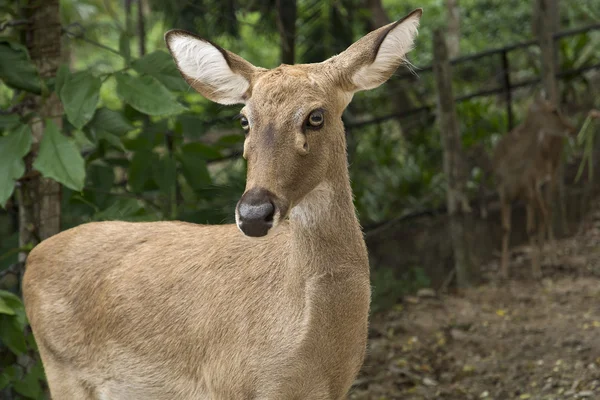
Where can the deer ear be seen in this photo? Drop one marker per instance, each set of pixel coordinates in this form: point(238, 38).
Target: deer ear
point(219, 75)
point(373, 59)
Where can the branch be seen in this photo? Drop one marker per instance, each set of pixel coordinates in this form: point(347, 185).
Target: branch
point(10, 24)
point(126, 194)
point(231, 156)
point(23, 249)
point(29, 175)
point(81, 36)
point(20, 108)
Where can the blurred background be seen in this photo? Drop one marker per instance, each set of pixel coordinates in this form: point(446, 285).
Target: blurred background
point(96, 123)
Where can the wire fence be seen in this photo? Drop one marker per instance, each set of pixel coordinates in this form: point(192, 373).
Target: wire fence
point(494, 70)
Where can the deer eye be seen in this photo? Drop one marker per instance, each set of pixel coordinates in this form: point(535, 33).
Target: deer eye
point(315, 119)
point(245, 124)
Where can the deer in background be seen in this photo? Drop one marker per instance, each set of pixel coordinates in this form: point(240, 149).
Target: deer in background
point(273, 307)
point(525, 163)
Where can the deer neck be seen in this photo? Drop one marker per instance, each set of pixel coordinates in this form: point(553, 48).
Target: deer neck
point(326, 233)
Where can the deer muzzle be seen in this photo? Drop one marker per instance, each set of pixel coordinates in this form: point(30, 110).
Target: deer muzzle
point(255, 212)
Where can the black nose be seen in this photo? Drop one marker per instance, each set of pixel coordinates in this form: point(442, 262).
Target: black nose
point(256, 211)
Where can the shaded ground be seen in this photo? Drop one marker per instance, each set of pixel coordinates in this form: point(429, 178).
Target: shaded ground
point(524, 339)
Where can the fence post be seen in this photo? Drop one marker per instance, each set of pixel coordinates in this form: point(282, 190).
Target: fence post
point(454, 166)
point(548, 10)
point(547, 29)
point(507, 88)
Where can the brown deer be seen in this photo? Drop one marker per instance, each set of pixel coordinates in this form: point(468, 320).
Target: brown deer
point(172, 310)
point(525, 161)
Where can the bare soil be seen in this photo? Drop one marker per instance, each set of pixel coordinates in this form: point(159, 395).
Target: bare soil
point(522, 339)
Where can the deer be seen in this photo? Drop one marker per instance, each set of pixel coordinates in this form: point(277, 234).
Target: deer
point(525, 164)
point(276, 305)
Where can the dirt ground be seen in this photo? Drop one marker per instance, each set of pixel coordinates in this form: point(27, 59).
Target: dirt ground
point(524, 339)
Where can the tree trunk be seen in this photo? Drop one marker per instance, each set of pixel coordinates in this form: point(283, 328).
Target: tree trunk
point(39, 198)
point(539, 16)
point(453, 32)
point(379, 17)
point(141, 28)
point(128, 21)
point(547, 25)
point(454, 166)
point(286, 24)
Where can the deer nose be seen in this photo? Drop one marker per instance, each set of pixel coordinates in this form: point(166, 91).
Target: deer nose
point(255, 212)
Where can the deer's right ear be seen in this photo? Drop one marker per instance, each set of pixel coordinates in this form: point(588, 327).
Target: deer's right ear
point(372, 60)
point(217, 74)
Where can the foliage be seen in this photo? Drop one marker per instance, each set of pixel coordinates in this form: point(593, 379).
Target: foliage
point(25, 380)
point(59, 158)
point(16, 69)
point(13, 147)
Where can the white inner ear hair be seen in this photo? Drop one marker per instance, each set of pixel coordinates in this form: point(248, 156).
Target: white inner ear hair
point(391, 54)
point(203, 63)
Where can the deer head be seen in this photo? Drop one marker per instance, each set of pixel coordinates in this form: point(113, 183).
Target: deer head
point(548, 117)
point(292, 114)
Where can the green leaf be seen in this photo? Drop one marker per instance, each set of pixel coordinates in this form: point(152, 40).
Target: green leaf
point(5, 309)
point(14, 302)
point(194, 169)
point(32, 344)
point(125, 47)
point(37, 370)
point(29, 386)
point(117, 162)
point(9, 121)
point(140, 169)
point(121, 209)
point(59, 159)
point(12, 150)
point(146, 95)
point(4, 380)
point(9, 250)
point(100, 177)
point(12, 335)
point(11, 373)
point(228, 140)
point(110, 121)
point(201, 150)
point(83, 143)
point(161, 66)
point(17, 70)
point(151, 136)
point(111, 139)
point(165, 175)
point(80, 94)
point(61, 77)
point(190, 126)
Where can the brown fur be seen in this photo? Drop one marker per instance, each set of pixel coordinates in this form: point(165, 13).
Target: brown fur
point(171, 310)
point(524, 161)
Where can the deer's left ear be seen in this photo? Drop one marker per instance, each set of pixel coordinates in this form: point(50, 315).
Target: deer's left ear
point(373, 59)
